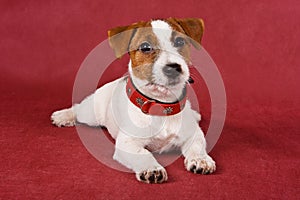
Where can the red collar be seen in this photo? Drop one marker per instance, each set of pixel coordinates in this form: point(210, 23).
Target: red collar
point(152, 106)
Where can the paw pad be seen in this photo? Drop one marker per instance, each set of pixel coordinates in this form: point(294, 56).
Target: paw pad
point(201, 165)
point(153, 176)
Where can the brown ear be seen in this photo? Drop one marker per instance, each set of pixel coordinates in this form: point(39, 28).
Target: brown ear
point(193, 27)
point(120, 37)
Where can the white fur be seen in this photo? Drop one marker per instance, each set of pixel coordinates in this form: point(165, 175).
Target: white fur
point(133, 130)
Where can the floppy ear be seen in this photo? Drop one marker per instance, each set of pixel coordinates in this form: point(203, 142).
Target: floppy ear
point(193, 27)
point(120, 37)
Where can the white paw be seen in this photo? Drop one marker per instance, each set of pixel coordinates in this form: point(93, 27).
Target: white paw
point(64, 117)
point(203, 165)
point(158, 175)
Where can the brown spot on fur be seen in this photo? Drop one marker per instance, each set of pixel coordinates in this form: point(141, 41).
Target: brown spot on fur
point(184, 51)
point(142, 63)
point(192, 27)
point(178, 31)
point(120, 37)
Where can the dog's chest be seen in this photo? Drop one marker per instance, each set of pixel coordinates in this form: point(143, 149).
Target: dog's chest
point(167, 137)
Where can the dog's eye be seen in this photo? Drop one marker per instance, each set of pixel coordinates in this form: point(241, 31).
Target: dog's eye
point(145, 47)
point(179, 42)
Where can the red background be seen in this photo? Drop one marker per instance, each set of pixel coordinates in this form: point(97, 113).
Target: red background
point(255, 45)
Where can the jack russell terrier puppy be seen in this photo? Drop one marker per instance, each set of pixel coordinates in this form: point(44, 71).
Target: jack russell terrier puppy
point(154, 91)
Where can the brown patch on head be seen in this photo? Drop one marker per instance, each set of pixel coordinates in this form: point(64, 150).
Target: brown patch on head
point(142, 62)
point(129, 38)
point(192, 27)
point(120, 37)
point(142, 65)
point(178, 31)
point(184, 51)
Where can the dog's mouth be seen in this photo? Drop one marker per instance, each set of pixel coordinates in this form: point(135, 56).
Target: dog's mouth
point(157, 88)
point(163, 90)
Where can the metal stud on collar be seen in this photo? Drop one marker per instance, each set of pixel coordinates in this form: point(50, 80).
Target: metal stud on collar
point(168, 110)
point(139, 101)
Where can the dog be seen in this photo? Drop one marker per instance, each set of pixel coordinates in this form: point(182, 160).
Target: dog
point(148, 110)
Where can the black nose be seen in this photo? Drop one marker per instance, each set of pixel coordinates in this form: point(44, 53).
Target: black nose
point(172, 70)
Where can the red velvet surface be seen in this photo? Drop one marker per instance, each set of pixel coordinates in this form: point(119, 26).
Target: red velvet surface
point(255, 45)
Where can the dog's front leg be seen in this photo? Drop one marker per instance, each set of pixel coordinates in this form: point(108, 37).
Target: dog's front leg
point(131, 152)
point(196, 158)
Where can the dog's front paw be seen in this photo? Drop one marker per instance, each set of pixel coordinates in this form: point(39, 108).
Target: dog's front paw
point(64, 117)
point(205, 165)
point(152, 176)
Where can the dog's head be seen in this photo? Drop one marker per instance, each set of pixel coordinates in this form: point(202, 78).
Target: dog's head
point(159, 54)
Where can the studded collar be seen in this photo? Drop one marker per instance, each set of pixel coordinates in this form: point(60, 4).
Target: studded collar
point(151, 106)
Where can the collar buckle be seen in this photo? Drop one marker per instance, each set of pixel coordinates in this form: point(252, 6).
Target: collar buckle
point(146, 106)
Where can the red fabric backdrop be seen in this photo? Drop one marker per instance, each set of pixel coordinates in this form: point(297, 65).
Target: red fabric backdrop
point(255, 45)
